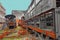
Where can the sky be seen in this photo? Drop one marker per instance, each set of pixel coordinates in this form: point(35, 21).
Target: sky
point(10, 5)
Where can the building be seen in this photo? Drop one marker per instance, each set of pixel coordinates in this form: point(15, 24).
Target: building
point(18, 14)
point(2, 15)
point(43, 14)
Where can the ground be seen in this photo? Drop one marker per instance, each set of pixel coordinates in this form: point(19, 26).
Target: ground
point(18, 35)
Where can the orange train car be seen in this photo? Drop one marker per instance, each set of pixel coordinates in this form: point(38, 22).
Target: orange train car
point(47, 33)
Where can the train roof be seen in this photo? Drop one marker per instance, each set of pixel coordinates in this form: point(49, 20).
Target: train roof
point(12, 16)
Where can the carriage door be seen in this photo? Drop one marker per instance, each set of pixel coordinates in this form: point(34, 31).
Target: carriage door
point(57, 22)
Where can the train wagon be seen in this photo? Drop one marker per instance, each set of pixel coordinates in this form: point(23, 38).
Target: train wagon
point(10, 21)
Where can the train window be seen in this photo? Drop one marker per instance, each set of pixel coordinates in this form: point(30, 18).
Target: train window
point(37, 35)
point(43, 21)
point(42, 18)
point(37, 25)
point(11, 27)
point(47, 20)
point(48, 24)
point(58, 3)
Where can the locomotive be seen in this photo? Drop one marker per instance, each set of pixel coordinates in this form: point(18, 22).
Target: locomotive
point(10, 21)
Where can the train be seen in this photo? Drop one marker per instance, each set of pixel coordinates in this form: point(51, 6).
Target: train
point(46, 24)
point(10, 21)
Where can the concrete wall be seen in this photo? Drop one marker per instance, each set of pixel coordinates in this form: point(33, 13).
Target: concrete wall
point(2, 15)
point(18, 14)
